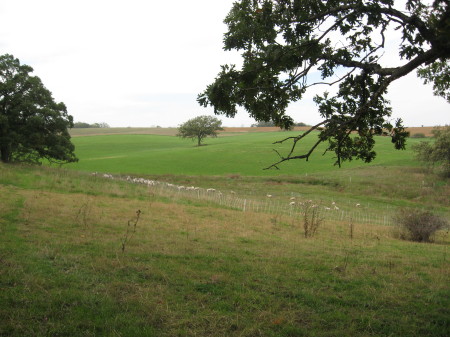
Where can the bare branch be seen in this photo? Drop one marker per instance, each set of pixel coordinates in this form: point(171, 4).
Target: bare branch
point(304, 156)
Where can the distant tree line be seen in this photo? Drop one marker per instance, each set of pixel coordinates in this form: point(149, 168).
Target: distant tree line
point(82, 125)
point(271, 123)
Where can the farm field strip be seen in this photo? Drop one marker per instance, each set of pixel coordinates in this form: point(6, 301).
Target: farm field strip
point(80, 132)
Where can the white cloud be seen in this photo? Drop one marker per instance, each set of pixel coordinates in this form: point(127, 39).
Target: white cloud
point(141, 62)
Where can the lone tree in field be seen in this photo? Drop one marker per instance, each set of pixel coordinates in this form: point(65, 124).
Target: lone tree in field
point(199, 128)
point(32, 125)
point(287, 43)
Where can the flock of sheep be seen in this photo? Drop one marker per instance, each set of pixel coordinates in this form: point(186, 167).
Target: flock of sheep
point(200, 191)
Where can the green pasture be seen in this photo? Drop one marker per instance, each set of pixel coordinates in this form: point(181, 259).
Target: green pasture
point(246, 154)
point(193, 268)
point(236, 163)
point(76, 261)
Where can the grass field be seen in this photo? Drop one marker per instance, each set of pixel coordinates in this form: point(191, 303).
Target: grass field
point(246, 154)
point(195, 269)
point(236, 162)
point(75, 260)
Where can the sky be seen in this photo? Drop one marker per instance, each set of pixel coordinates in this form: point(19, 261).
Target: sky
point(142, 63)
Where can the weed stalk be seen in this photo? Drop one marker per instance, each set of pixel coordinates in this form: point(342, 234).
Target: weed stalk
point(131, 229)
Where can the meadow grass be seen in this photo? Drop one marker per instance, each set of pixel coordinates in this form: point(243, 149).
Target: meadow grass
point(235, 163)
point(245, 154)
point(196, 269)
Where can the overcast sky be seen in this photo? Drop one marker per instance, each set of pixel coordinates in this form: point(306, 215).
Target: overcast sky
point(143, 62)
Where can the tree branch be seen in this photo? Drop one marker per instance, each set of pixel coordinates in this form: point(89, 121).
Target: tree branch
point(304, 156)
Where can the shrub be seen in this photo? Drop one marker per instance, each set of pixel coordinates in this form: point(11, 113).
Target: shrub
point(418, 225)
point(418, 135)
point(436, 154)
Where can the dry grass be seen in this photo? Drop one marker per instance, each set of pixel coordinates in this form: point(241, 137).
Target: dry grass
point(426, 130)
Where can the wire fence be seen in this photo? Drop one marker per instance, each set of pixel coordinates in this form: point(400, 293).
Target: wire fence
point(294, 208)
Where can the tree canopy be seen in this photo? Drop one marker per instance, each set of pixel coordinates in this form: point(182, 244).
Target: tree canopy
point(199, 128)
point(32, 125)
point(288, 46)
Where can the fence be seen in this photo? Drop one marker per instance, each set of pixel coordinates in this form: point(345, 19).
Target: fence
point(293, 208)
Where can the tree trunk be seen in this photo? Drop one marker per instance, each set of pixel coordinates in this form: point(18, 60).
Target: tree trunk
point(4, 153)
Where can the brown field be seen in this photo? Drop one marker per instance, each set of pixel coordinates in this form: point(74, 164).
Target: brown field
point(165, 131)
point(227, 131)
point(426, 130)
point(79, 132)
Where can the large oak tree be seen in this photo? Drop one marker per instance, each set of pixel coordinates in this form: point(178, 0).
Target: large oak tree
point(285, 43)
point(33, 127)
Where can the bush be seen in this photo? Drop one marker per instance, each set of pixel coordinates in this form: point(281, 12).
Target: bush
point(436, 154)
point(418, 135)
point(418, 225)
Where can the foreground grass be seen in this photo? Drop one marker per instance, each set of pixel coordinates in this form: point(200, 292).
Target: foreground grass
point(192, 269)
